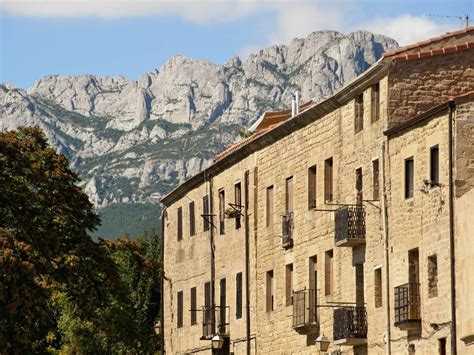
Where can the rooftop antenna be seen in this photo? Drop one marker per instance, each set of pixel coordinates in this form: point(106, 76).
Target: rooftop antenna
point(464, 19)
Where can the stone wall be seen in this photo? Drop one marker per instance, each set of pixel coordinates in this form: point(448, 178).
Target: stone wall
point(420, 222)
point(332, 136)
point(418, 85)
point(188, 263)
point(463, 209)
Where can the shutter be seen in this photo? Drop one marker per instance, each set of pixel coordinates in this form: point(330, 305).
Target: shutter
point(193, 306)
point(192, 220)
point(238, 297)
point(180, 223)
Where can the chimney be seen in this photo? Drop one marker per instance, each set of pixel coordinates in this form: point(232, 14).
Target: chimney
point(293, 107)
point(297, 104)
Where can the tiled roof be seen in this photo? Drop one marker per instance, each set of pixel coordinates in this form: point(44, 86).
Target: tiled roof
point(233, 147)
point(271, 120)
point(433, 52)
point(428, 42)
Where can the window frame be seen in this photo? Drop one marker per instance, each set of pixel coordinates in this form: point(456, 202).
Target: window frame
point(409, 175)
point(179, 223)
point(312, 186)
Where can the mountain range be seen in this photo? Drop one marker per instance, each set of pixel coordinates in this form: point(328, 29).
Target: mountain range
point(132, 141)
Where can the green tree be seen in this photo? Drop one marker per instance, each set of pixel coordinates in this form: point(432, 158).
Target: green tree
point(125, 324)
point(45, 250)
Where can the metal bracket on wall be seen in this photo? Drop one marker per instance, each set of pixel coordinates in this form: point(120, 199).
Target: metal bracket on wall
point(208, 218)
point(237, 208)
point(371, 202)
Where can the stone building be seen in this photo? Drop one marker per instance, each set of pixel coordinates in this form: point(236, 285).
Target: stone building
point(348, 218)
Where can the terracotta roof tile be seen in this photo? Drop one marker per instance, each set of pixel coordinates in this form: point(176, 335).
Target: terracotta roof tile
point(433, 52)
point(428, 41)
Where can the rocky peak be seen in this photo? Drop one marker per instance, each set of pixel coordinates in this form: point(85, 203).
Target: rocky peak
point(133, 140)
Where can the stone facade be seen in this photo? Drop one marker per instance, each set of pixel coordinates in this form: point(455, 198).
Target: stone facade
point(384, 225)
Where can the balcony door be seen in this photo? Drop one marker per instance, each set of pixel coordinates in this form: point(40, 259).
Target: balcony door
point(359, 282)
point(313, 287)
point(413, 266)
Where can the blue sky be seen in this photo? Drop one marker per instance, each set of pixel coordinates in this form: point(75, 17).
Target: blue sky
point(130, 37)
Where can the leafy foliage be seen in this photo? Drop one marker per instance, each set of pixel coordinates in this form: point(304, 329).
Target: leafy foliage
point(60, 290)
point(125, 324)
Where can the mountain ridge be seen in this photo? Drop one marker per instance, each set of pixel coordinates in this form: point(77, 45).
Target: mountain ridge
point(133, 140)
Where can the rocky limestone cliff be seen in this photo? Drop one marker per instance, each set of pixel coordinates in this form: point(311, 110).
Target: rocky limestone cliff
point(133, 141)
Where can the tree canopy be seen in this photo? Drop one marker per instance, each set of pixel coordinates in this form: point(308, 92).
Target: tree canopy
point(60, 290)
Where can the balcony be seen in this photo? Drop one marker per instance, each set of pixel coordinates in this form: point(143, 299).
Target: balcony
point(305, 311)
point(215, 321)
point(407, 306)
point(287, 230)
point(349, 226)
point(350, 326)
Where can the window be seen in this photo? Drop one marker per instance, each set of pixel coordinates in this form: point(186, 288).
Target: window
point(409, 177)
point(378, 287)
point(375, 103)
point(180, 223)
point(359, 184)
point(313, 276)
point(442, 346)
point(207, 304)
point(192, 219)
point(359, 113)
point(270, 290)
point(359, 283)
point(207, 294)
point(434, 166)
point(328, 180)
point(432, 276)
point(238, 295)
point(269, 206)
point(193, 306)
point(413, 266)
point(205, 212)
point(328, 271)
point(289, 194)
point(238, 202)
point(223, 306)
point(375, 180)
point(179, 312)
point(289, 284)
point(221, 212)
point(312, 187)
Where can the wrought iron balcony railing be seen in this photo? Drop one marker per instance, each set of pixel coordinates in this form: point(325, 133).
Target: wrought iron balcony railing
point(407, 306)
point(350, 325)
point(215, 321)
point(287, 230)
point(349, 226)
point(305, 310)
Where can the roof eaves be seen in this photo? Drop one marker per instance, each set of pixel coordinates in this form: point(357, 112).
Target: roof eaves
point(428, 41)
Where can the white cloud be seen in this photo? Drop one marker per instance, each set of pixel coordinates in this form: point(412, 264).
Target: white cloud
point(284, 20)
point(407, 29)
point(202, 11)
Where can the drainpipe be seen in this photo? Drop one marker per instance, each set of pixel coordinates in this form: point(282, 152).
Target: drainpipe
point(247, 262)
point(213, 266)
point(451, 232)
point(388, 345)
point(162, 282)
